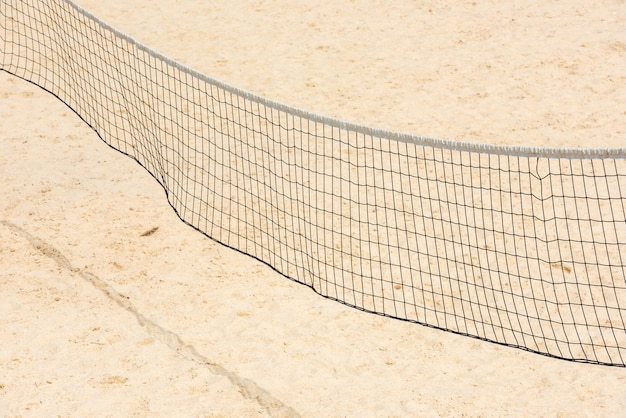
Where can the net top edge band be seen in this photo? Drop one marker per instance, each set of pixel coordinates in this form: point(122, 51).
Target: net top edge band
point(461, 146)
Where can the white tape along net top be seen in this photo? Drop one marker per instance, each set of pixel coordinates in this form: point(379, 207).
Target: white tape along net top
point(520, 246)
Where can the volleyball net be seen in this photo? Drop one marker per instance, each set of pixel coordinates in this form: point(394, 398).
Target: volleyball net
point(524, 247)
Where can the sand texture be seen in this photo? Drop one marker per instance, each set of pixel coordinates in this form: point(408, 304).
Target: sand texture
point(111, 306)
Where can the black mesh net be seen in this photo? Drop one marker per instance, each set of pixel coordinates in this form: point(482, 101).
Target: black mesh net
point(522, 247)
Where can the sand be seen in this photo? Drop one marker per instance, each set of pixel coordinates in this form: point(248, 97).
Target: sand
point(98, 320)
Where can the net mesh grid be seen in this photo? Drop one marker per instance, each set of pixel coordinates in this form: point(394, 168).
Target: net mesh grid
point(522, 247)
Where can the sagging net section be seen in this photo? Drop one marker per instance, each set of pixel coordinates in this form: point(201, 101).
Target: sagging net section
point(521, 247)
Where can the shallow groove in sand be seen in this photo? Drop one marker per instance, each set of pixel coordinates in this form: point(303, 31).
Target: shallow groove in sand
point(248, 388)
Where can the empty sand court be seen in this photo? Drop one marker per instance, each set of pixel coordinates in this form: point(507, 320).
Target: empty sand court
point(111, 306)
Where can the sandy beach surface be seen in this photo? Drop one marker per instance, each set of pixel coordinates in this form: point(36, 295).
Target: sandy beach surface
point(98, 318)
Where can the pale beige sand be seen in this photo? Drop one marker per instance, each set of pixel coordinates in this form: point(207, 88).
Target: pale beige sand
point(97, 320)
